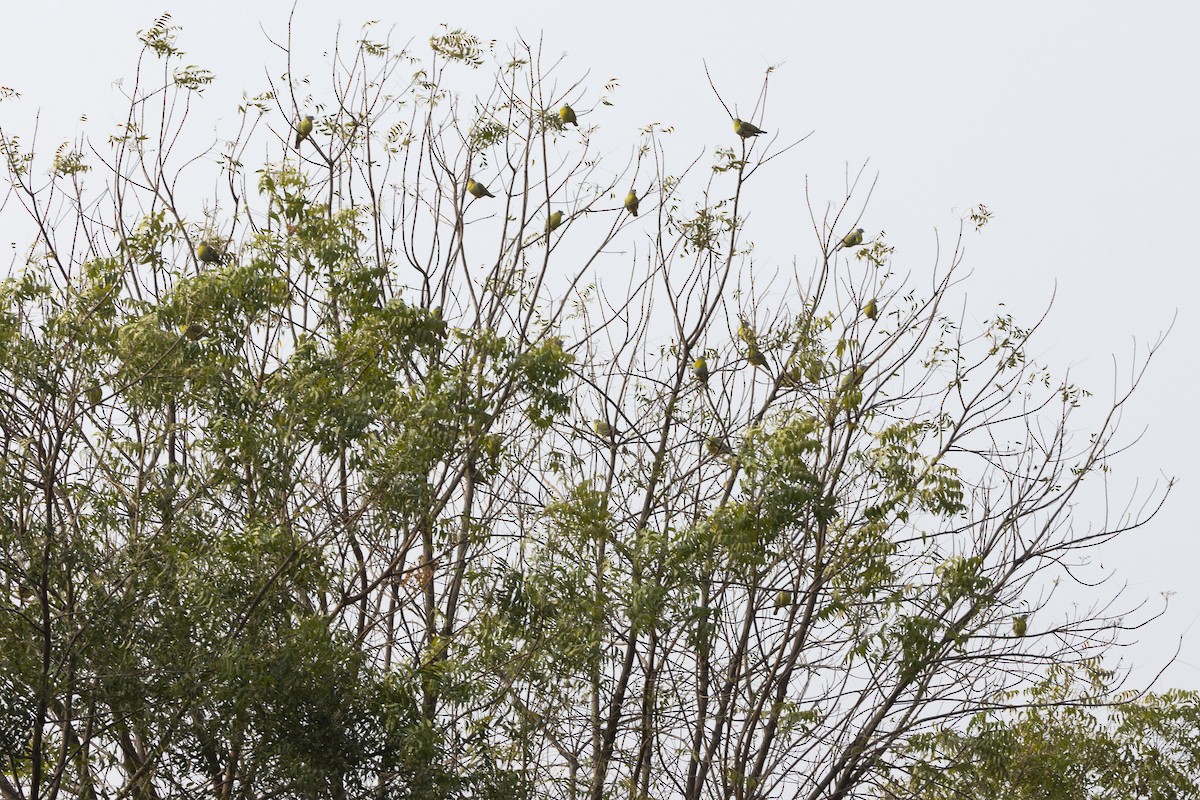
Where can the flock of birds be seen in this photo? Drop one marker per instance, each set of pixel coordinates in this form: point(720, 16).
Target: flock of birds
point(567, 116)
point(208, 253)
point(713, 445)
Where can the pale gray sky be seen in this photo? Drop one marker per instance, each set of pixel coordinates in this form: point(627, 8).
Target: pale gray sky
point(1075, 122)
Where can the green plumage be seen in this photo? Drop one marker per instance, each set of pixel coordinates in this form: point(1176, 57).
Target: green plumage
point(193, 331)
point(304, 129)
point(477, 189)
point(852, 239)
point(746, 333)
point(746, 129)
point(567, 115)
point(717, 447)
point(853, 378)
point(700, 370)
point(208, 254)
point(553, 221)
point(631, 202)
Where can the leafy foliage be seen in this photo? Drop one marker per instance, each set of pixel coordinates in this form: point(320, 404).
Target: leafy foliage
point(307, 499)
point(1060, 747)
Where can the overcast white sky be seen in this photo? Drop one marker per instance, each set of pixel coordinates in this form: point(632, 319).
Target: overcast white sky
point(1076, 122)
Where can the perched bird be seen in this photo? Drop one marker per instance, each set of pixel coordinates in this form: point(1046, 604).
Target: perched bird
point(304, 129)
point(717, 447)
point(871, 309)
point(851, 239)
point(491, 445)
point(853, 378)
point(602, 428)
point(745, 332)
point(194, 331)
point(93, 393)
point(477, 189)
point(755, 356)
point(567, 115)
point(553, 221)
point(746, 129)
point(700, 370)
point(208, 254)
point(783, 600)
point(631, 202)
point(1020, 623)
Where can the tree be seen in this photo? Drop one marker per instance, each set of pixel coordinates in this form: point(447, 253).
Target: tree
point(1060, 747)
point(322, 509)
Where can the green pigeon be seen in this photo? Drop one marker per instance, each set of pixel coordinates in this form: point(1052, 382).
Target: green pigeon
point(871, 309)
point(783, 600)
point(477, 189)
point(700, 370)
point(746, 129)
point(602, 428)
point(717, 447)
point(93, 393)
point(1020, 623)
point(194, 331)
point(553, 221)
point(745, 332)
point(208, 254)
point(631, 202)
point(853, 378)
point(755, 356)
point(852, 239)
point(567, 115)
point(439, 324)
point(304, 129)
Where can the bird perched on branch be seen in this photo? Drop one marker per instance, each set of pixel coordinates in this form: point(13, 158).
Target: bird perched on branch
point(755, 356)
point(746, 129)
point(209, 254)
point(603, 429)
point(567, 115)
point(304, 129)
point(745, 332)
point(717, 447)
point(700, 370)
point(194, 331)
point(1020, 624)
point(782, 600)
point(477, 189)
point(852, 239)
point(871, 309)
point(631, 202)
point(853, 378)
point(553, 221)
